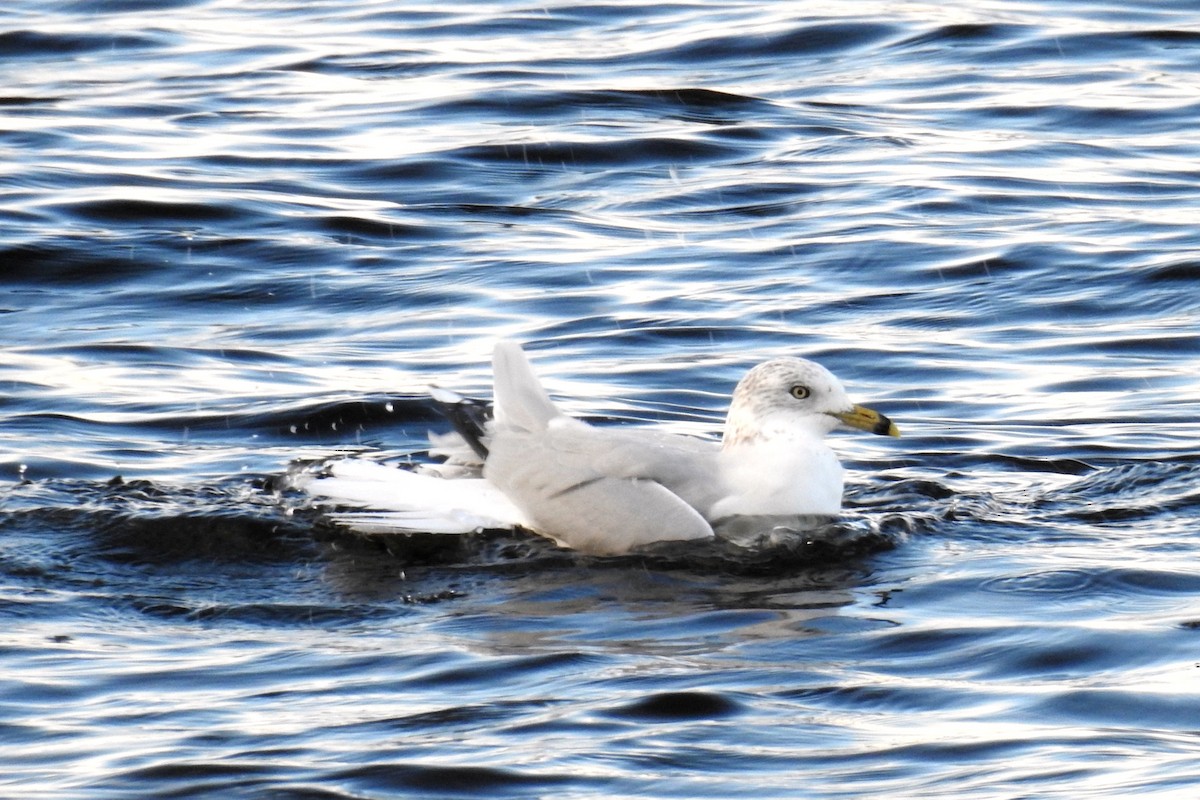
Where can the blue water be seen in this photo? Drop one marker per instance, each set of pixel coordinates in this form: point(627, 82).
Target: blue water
point(233, 235)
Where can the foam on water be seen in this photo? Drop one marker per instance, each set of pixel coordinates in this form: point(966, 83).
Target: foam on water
point(236, 235)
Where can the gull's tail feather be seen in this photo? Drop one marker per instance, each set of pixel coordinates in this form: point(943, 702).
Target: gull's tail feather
point(402, 522)
point(404, 501)
point(470, 418)
point(520, 400)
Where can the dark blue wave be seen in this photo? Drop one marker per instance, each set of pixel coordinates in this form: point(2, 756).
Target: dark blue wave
point(234, 236)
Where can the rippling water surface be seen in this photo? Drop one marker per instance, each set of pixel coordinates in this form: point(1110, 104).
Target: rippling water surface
point(233, 235)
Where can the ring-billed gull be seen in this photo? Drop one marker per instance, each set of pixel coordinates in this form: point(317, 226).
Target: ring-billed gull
point(607, 491)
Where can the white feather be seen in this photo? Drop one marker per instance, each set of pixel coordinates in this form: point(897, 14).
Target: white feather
point(413, 502)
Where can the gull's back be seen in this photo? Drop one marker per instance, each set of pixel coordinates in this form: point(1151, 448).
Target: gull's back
point(595, 490)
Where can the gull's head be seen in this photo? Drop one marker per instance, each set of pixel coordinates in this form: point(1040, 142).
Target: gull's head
point(792, 397)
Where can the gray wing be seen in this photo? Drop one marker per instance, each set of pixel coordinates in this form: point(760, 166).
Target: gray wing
point(604, 491)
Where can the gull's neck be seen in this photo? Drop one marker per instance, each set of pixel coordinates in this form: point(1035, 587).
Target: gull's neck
point(780, 475)
point(744, 430)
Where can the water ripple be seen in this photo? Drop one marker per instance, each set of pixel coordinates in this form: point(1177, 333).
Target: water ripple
point(233, 236)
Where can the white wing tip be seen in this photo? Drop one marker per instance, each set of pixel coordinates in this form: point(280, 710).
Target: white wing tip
point(444, 395)
point(406, 501)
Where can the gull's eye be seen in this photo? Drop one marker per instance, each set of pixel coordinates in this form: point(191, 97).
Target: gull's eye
point(800, 392)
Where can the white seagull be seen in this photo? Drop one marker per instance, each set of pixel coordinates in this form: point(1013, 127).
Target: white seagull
point(606, 491)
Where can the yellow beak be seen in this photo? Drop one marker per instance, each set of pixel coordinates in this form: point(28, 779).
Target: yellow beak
point(866, 419)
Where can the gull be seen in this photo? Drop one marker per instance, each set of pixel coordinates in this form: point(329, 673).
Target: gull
point(603, 490)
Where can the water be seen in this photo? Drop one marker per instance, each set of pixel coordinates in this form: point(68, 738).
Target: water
point(237, 234)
